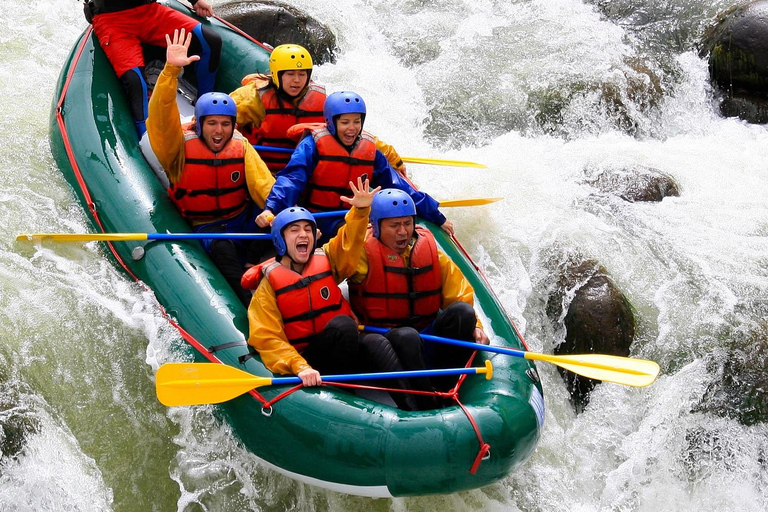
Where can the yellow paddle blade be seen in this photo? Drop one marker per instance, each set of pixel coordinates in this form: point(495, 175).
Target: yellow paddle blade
point(469, 202)
point(437, 161)
point(621, 370)
point(203, 383)
point(83, 237)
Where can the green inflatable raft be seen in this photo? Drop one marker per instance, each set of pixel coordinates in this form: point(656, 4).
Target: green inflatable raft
point(322, 436)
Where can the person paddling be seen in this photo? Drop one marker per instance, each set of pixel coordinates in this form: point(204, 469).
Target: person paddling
point(300, 323)
point(269, 105)
point(332, 154)
point(217, 180)
point(404, 282)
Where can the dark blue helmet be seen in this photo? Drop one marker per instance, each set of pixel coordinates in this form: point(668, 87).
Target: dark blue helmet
point(389, 203)
point(214, 104)
point(283, 219)
point(344, 102)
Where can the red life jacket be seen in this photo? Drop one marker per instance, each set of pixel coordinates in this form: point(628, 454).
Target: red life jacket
point(281, 115)
point(307, 301)
point(336, 167)
point(393, 295)
point(212, 185)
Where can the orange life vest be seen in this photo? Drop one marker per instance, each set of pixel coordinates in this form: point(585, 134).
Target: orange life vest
point(336, 167)
point(281, 115)
point(396, 295)
point(212, 185)
point(307, 301)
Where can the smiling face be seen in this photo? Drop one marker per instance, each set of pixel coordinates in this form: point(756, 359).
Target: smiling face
point(299, 241)
point(216, 131)
point(294, 81)
point(396, 232)
point(348, 127)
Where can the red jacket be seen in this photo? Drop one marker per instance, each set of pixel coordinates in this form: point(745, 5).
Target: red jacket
point(336, 167)
point(307, 301)
point(280, 116)
point(212, 185)
point(395, 295)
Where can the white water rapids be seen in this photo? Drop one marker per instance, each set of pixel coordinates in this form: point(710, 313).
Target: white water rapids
point(539, 90)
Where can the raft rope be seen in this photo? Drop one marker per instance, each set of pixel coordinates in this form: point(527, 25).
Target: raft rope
point(484, 452)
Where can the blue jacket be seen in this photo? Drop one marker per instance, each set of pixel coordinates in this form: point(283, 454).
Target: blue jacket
point(294, 178)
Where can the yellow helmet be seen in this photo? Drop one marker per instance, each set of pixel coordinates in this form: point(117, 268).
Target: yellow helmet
point(288, 56)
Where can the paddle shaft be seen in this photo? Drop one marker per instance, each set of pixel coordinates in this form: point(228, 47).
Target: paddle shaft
point(210, 383)
point(617, 369)
point(123, 237)
point(351, 377)
point(406, 159)
point(458, 343)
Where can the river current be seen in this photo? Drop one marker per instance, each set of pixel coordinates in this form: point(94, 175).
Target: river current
point(540, 91)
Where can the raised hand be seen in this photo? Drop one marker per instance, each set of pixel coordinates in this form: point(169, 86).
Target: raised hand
point(362, 194)
point(176, 52)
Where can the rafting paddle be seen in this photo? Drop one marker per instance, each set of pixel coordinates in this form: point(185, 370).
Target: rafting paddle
point(406, 159)
point(211, 383)
point(617, 369)
point(449, 203)
point(122, 237)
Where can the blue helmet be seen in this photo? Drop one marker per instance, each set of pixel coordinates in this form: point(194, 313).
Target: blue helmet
point(389, 203)
point(214, 104)
point(283, 219)
point(344, 102)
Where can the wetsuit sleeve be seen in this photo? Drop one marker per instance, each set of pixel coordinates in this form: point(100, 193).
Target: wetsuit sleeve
point(266, 333)
point(391, 155)
point(164, 126)
point(250, 109)
point(386, 177)
point(346, 248)
point(455, 285)
point(257, 175)
point(293, 179)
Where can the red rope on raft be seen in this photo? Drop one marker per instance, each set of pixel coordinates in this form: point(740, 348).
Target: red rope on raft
point(453, 394)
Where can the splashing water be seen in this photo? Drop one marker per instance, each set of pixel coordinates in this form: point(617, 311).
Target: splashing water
point(538, 90)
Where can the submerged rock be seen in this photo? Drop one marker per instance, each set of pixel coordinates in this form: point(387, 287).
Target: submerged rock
point(277, 23)
point(635, 183)
point(17, 421)
point(737, 49)
point(623, 98)
point(596, 316)
point(740, 390)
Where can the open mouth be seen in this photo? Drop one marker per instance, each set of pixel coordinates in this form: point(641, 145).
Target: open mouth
point(302, 248)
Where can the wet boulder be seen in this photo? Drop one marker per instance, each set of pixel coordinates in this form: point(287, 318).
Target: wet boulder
point(737, 49)
point(17, 420)
point(633, 184)
point(739, 389)
point(596, 316)
point(623, 97)
point(277, 23)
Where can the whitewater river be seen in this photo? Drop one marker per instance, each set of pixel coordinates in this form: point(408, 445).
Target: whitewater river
point(538, 90)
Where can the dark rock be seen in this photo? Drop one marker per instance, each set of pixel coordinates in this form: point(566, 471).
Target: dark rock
point(740, 389)
point(17, 420)
point(597, 319)
point(636, 183)
point(634, 89)
point(737, 49)
point(277, 23)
